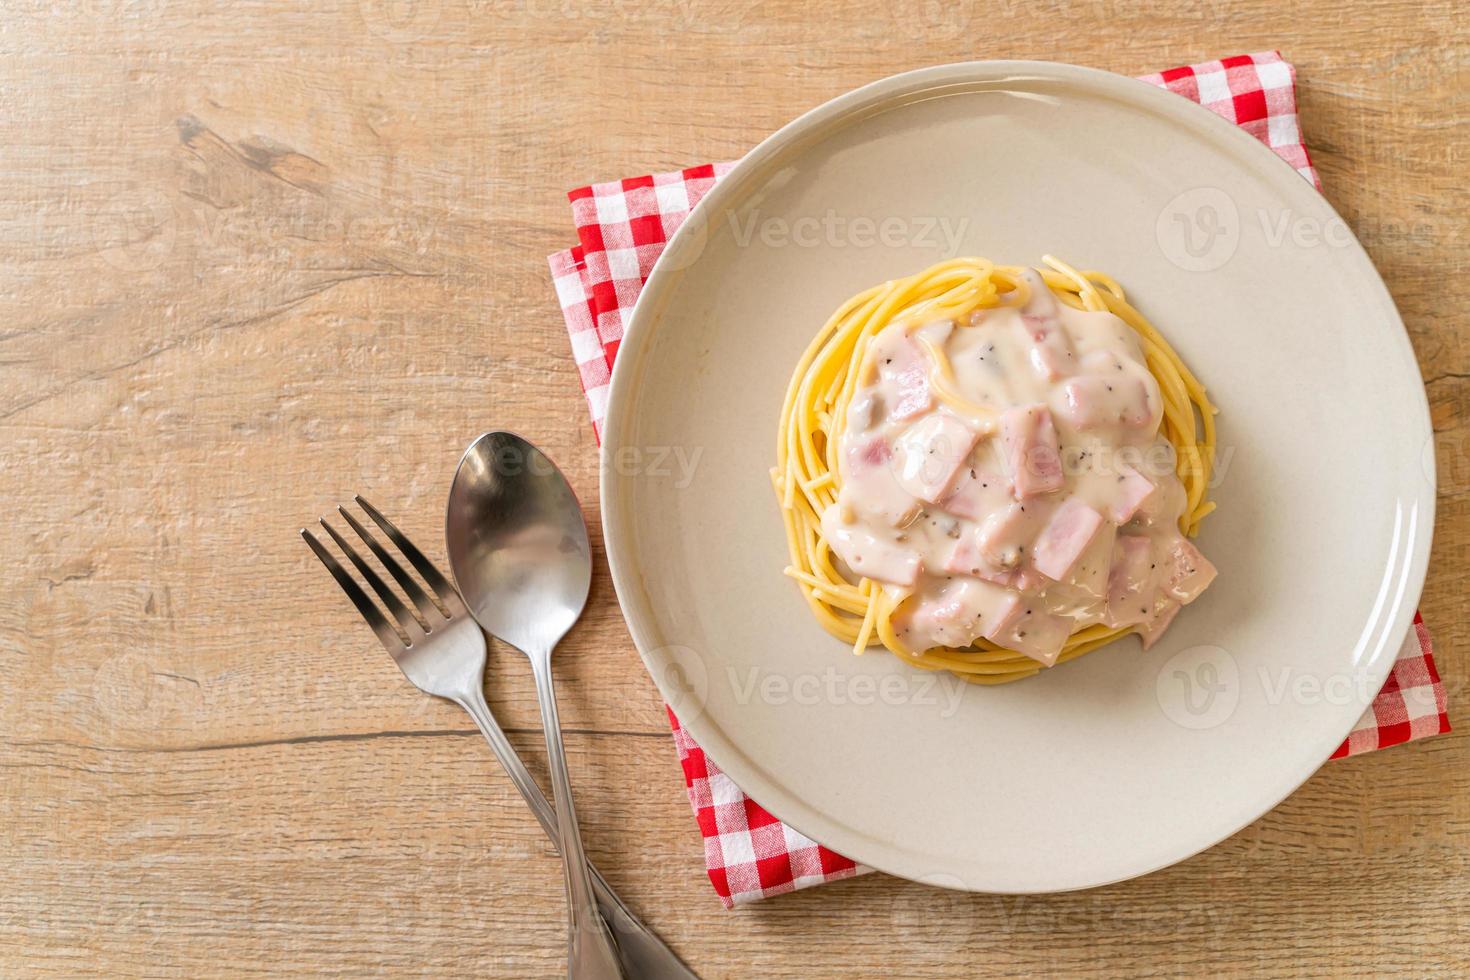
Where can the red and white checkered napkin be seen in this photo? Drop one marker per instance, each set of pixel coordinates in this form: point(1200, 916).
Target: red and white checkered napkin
point(622, 227)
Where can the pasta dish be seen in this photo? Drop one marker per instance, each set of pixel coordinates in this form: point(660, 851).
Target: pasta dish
point(994, 469)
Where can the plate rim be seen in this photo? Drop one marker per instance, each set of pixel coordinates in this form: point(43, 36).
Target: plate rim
point(788, 806)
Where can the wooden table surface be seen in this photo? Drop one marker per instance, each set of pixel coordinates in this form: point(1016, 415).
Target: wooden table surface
point(257, 256)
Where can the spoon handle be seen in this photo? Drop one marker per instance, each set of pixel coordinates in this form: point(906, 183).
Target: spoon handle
point(643, 953)
point(592, 955)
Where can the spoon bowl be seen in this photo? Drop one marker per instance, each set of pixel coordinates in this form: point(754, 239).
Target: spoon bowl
point(517, 542)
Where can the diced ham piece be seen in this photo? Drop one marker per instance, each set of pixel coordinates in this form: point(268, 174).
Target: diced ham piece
point(873, 452)
point(1003, 618)
point(1059, 547)
point(967, 558)
point(1154, 628)
point(1029, 631)
point(1007, 578)
point(931, 454)
point(1004, 534)
point(1130, 583)
point(955, 616)
point(913, 394)
point(1161, 508)
point(1132, 491)
point(1029, 579)
point(867, 554)
point(1025, 579)
point(1090, 574)
point(1092, 401)
point(1189, 572)
point(872, 485)
point(1031, 450)
point(976, 493)
point(1047, 348)
point(1041, 637)
point(1084, 401)
point(1150, 412)
point(1020, 579)
point(903, 367)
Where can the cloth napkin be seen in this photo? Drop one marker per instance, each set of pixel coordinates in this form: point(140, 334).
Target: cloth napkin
point(622, 227)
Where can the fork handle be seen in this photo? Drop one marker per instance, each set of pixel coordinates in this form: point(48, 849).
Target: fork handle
point(642, 952)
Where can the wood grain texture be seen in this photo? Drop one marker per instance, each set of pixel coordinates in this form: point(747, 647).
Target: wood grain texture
point(256, 256)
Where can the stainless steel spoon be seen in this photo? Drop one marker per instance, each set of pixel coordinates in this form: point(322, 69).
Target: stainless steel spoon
point(518, 549)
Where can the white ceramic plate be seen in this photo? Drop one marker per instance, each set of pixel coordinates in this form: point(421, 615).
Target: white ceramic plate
point(1124, 761)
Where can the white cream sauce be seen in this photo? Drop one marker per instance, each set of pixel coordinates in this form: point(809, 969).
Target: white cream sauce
point(1022, 492)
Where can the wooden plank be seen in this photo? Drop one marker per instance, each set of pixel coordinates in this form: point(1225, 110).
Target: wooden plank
point(258, 257)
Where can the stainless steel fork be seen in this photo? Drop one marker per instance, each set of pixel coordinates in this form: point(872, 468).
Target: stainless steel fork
point(442, 651)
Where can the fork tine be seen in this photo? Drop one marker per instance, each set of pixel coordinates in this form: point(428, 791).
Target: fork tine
point(415, 591)
point(374, 616)
point(426, 568)
point(395, 605)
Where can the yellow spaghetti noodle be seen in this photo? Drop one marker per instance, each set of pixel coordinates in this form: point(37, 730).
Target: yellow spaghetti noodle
point(806, 476)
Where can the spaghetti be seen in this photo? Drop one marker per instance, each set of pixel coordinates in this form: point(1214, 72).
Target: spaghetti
point(868, 610)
